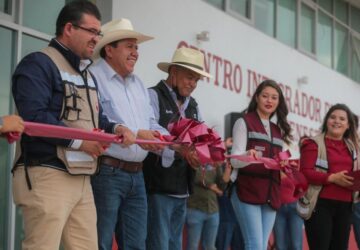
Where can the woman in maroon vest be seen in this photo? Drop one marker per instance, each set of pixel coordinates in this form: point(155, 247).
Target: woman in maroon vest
point(257, 195)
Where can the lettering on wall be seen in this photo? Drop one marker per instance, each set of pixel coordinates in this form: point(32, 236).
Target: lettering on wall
point(237, 79)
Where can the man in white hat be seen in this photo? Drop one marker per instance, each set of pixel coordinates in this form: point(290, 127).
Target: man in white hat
point(119, 189)
point(169, 179)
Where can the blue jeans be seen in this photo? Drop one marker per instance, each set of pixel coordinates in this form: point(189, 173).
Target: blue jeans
point(256, 222)
point(166, 218)
point(201, 225)
point(229, 233)
point(288, 228)
point(120, 196)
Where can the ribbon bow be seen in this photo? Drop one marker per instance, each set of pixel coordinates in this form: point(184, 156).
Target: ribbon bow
point(206, 141)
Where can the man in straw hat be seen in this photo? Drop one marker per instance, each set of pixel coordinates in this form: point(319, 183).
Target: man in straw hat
point(169, 179)
point(119, 188)
point(51, 182)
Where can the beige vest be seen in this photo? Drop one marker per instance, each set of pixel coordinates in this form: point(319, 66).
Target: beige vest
point(307, 203)
point(77, 112)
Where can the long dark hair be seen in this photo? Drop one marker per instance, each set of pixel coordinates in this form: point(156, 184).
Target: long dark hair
point(350, 133)
point(281, 110)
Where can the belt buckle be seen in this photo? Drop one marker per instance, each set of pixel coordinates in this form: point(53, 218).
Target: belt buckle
point(136, 168)
point(131, 167)
point(121, 165)
point(125, 166)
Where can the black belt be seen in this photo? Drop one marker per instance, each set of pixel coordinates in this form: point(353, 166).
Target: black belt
point(127, 166)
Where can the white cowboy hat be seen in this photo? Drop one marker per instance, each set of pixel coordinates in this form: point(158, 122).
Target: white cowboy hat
point(188, 58)
point(118, 30)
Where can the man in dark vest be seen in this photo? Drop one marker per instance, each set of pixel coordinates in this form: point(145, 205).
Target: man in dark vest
point(169, 178)
point(51, 182)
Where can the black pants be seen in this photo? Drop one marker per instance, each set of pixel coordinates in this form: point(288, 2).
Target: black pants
point(329, 225)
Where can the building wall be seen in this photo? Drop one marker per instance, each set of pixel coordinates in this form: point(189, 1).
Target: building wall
point(239, 57)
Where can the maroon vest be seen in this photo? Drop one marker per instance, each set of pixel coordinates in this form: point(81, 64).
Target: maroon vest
point(255, 183)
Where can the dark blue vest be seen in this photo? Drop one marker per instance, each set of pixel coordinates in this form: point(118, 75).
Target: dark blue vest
point(178, 178)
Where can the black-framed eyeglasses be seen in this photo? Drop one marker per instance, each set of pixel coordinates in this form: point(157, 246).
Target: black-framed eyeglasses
point(92, 31)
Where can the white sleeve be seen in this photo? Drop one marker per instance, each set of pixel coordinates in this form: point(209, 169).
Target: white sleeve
point(76, 144)
point(239, 146)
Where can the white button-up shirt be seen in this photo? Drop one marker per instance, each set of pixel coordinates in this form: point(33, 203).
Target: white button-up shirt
point(125, 101)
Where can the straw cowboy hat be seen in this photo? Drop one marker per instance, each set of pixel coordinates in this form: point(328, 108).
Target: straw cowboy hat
point(188, 58)
point(118, 30)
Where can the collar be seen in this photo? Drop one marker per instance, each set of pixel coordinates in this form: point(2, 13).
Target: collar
point(173, 93)
point(75, 61)
point(110, 73)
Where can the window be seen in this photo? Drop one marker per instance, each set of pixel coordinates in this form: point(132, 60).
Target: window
point(217, 3)
point(341, 11)
point(355, 60)
point(38, 10)
point(324, 39)
point(326, 4)
point(319, 28)
point(341, 49)
point(31, 44)
point(307, 29)
point(264, 16)
point(6, 63)
point(286, 22)
point(5, 6)
point(241, 7)
point(355, 19)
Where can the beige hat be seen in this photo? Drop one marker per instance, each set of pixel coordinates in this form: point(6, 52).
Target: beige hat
point(188, 58)
point(118, 30)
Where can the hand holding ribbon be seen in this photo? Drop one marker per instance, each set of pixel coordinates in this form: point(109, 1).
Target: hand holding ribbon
point(53, 131)
point(128, 137)
point(281, 162)
point(94, 148)
point(150, 135)
point(204, 141)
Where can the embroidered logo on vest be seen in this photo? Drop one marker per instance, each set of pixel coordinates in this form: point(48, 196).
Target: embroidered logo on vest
point(259, 148)
point(168, 111)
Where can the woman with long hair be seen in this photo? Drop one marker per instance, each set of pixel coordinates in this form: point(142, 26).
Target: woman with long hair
point(257, 194)
point(326, 160)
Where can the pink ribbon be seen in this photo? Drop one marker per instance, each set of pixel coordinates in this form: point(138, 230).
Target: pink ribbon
point(289, 166)
point(278, 163)
point(52, 131)
point(207, 142)
point(12, 136)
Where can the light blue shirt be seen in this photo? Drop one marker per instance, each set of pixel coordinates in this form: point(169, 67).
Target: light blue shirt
point(125, 101)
